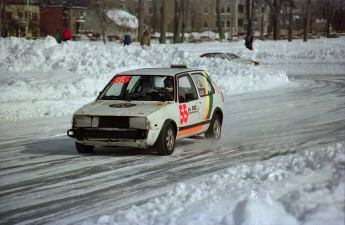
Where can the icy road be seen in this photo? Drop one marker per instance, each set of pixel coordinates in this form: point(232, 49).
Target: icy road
point(44, 180)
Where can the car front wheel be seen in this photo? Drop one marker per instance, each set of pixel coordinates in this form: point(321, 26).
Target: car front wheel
point(215, 129)
point(84, 148)
point(166, 142)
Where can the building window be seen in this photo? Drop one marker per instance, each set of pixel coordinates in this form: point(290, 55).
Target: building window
point(240, 22)
point(228, 24)
point(222, 10)
point(205, 24)
point(228, 10)
point(241, 9)
point(206, 10)
point(34, 16)
point(8, 15)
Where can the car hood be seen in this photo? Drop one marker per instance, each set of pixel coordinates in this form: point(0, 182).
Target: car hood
point(120, 108)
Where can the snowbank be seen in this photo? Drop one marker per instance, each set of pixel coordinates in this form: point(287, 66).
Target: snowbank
point(54, 80)
point(247, 194)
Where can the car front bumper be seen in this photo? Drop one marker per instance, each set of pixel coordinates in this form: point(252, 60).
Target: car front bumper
point(113, 137)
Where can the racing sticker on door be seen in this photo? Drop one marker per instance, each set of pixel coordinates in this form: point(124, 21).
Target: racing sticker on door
point(183, 113)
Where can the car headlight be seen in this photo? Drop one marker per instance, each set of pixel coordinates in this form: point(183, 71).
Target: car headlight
point(138, 122)
point(82, 121)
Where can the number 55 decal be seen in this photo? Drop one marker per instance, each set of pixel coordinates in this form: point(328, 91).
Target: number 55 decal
point(183, 113)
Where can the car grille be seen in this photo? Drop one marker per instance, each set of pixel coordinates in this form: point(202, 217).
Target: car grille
point(113, 122)
point(89, 133)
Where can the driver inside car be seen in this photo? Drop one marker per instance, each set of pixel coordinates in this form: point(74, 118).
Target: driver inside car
point(169, 88)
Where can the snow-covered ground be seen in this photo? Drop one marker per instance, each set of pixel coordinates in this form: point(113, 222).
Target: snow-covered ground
point(42, 79)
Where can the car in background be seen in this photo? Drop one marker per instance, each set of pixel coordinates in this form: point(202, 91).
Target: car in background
point(153, 107)
point(230, 56)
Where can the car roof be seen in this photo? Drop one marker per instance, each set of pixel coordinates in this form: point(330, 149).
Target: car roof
point(219, 53)
point(157, 71)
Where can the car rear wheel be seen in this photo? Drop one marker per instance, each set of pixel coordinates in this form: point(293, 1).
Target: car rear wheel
point(215, 129)
point(84, 148)
point(166, 141)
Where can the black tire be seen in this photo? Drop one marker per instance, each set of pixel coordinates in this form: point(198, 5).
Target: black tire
point(166, 141)
point(84, 148)
point(215, 129)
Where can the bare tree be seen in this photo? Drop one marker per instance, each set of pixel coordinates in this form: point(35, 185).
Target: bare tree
point(178, 20)
point(250, 14)
point(185, 20)
point(306, 22)
point(100, 10)
point(275, 6)
point(163, 9)
point(329, 7)
point(234, 18)
point(290, 21)
point(141, 18)
point(2, 16)
point(155, 20)
point(23, 19)
point(219, 21)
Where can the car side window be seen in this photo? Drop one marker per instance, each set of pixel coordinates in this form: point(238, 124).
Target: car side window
point(203, 84)
point(186, 89)
point(219, 55)
point(233, 56)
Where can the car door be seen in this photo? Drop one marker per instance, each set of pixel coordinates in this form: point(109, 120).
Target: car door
point(189, 107)
point(206, 94)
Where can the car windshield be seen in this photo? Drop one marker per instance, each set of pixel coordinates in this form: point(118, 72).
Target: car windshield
point(233, 56)
point(139, 88)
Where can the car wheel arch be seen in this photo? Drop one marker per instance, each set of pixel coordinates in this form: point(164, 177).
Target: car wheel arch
point(164, 124)
point(165, 143)
point(219, 112)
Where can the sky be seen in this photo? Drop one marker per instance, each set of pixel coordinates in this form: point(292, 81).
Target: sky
point(42, 79)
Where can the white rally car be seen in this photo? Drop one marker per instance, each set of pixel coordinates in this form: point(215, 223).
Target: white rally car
point(150, 108)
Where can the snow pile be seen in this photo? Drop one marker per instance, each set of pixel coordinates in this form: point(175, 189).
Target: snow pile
point(247, 194)
point(123, 18)
point(55, 80)
point(318, 56)
point(313, 52)
point(79, 70)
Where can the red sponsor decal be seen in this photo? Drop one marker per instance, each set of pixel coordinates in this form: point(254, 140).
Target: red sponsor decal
point(122, 79)
point(183, 113)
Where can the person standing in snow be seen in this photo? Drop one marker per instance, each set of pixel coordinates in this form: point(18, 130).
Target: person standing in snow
point(127, 40)
point(58, 36)
point(145, 39)
point(249, 42)
point(66, 35)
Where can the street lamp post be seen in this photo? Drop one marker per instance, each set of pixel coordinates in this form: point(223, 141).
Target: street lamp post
point(79, 25)
point(65, 16)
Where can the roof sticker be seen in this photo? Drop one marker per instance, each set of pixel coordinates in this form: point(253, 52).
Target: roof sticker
point(121, 79)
